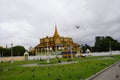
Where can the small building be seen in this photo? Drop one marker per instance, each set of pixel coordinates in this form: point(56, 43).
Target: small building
point(56, 45)
point(87, 51)
point(26, 55)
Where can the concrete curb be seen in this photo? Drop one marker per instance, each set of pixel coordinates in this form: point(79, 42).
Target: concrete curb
point(102, 71)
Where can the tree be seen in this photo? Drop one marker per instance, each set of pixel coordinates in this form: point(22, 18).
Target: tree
point(104, 44)
point(18, 51)
point(98, 43)
point(1, 51)
point(4, 52)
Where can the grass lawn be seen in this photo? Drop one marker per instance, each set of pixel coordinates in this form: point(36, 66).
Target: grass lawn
point(84, 68)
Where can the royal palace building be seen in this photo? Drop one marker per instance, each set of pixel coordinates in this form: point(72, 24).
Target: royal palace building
point(56, 45)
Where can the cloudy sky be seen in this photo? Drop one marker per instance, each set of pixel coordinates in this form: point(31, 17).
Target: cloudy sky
point(24, 22)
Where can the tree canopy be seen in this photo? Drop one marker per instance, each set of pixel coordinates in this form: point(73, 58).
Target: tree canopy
point(17, 51)
point(105, 43)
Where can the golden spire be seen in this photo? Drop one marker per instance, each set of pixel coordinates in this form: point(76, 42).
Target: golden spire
point(56, 32)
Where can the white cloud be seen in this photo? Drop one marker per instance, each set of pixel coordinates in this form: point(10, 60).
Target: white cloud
point(23, 22)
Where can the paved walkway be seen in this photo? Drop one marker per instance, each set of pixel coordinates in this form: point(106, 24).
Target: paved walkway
point(62, 63)
point(112, 73)
point(36, 64)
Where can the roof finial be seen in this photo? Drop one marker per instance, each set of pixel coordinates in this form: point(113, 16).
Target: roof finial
point(56, 32)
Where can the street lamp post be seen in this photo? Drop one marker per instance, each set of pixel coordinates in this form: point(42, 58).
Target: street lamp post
point(2, 54)
point(56, 50)
point(50, 49)
point(48, 59)
point(71, 52)
point(47, 49)
point(62, 48)
point(110, 50)
point(11, 50)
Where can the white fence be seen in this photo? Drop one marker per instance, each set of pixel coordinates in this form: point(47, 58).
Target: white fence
point(59, 56)
point(43, 57)
point(103, 53)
